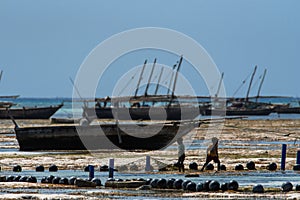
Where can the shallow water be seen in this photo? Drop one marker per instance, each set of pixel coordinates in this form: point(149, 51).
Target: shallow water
point(238, 144)
point(244, 178)
point(247, 178)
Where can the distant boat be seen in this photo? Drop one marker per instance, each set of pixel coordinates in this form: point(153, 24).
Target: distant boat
point(232, 111)
point(55, 120)
point(146, 107)
point(29, 112)
point(289, 108)
point(241, 106)
point(6, 104)
point(173, 112)
point(9, 97)
point(112, 136)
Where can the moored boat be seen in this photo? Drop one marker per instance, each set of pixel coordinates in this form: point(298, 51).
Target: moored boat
point(146, 106)
point(29, 112)
point(9, 96)
point(127, 136)
point(240, 108)
point(55, 120)
point(6, 104)
point(287, 109)
point(238, 111)
point(144, 112)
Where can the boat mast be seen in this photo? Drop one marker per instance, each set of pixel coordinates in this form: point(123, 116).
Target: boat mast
point(141, 76)
point(1, 74)
point(85, 104)
point(219, 86)
point(260, 85)
point(176, 75)
point(147, 87)
point(247, 96)
point(157, 86)
point(171, 79)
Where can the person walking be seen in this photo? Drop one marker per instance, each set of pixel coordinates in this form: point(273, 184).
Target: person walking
point(212, 153)
point(181, 154)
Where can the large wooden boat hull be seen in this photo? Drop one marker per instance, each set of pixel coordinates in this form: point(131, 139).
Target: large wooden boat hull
point(29, 112)
point(143, 113)
point(104, 136)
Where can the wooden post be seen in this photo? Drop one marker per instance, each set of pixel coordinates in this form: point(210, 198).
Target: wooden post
point(91, 172)
point(148, 168)
point(297, 166)
point(283, 157)
point(111, 168)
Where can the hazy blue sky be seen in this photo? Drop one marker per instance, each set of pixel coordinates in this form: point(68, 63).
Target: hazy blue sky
point(43, 43)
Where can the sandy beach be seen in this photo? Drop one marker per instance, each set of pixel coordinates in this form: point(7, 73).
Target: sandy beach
point(241, 140)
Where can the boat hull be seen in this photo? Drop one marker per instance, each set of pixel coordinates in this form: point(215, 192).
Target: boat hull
point(144, 113)
point(64, 120)
point(289, 110)
point(9, 97)
point(29, 112)
point(237, 112)
point(105, 136)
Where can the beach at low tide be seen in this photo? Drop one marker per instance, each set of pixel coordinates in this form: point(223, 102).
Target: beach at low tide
point(241, 140)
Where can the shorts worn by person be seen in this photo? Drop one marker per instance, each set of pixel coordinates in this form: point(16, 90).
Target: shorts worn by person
point(212, 153)
point(181, 155)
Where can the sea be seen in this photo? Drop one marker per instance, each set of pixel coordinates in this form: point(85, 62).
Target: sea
point(74, 107)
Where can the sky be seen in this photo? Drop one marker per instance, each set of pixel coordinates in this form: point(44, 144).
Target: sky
point(43, 43)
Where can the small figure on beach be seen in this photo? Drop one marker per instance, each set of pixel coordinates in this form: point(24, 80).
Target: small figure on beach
point(181, 154)
point(106, 100)
point(212, 153)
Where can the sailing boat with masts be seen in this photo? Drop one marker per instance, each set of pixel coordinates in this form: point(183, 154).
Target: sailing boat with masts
point(146, 106)
point(242, 106)
point(6, 104)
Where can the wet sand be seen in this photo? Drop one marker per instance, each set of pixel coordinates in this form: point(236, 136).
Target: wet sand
point(240, 141)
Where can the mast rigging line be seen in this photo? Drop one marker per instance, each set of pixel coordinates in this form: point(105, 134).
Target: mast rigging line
point(240, 86)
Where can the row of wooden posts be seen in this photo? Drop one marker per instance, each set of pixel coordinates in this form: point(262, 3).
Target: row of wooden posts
point(148, 167)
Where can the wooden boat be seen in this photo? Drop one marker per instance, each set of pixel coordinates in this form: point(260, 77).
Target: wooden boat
point(29, 112)
point(229, 111)
point(132, 136)
point(144, 112)
point(55, 120)
point(145, 107)
point(6, 104)
point(241, 106)
point(287, 109)
point(9, 97)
